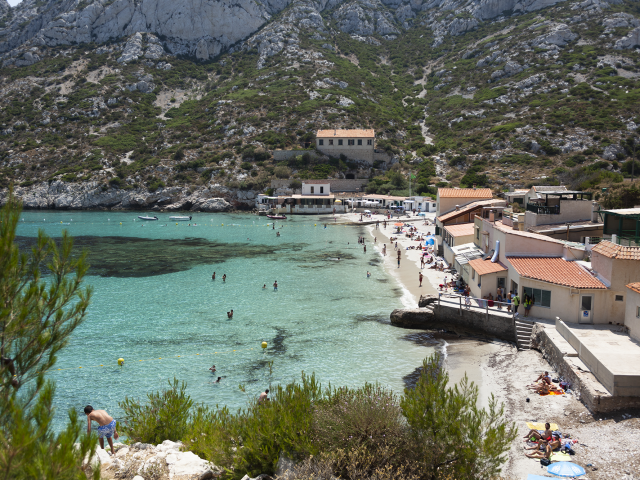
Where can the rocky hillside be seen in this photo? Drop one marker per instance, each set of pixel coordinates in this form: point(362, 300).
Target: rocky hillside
point(141, 104)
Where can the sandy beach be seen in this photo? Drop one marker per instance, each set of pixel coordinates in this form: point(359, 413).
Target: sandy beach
point(609, 444)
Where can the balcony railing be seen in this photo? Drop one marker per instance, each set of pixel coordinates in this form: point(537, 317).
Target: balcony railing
point(543, 210)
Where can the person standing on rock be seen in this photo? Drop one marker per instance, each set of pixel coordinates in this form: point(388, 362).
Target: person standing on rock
point(106, 425)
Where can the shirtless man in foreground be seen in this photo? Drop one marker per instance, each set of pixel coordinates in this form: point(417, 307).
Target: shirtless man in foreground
point(106, 425)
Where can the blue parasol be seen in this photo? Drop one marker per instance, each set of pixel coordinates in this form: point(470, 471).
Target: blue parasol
point(565, 469)
point(430, 240)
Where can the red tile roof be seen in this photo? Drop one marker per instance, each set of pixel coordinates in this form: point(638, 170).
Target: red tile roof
point(316, 182)
point(482, 267)
point(460, 230)
point(634, 286)
point(345, 133)
point(465, 193)
point(555, 270)
point(619, 252)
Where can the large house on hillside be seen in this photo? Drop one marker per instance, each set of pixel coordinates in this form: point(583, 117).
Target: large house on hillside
point(355, 144)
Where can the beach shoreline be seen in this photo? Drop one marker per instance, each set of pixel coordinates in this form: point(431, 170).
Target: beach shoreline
point(498, 369)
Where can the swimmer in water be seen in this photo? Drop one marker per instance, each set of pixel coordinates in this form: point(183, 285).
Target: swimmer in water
point(275, 286)
point(230, 314)
point(218, 380)
point(213, 369)
point(368, 274)
point(213, 277)
point(277, 234)
point(264, 286)
point(224, 278)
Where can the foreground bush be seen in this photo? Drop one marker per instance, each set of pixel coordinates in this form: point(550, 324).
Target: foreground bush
point(433, 432)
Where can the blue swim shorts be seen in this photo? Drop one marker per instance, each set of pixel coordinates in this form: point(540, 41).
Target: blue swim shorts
point(107, 430)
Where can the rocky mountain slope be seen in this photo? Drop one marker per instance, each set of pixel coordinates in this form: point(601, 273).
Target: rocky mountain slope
point(141, 104)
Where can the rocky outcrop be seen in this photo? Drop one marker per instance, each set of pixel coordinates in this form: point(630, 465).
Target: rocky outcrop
point(559, 35)
point(426, 300)
point(414, 317)
point(632, 40)
point(93, 195)
point(166, 458)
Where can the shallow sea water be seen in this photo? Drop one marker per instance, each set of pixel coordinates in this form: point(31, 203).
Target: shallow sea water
point(155, 305)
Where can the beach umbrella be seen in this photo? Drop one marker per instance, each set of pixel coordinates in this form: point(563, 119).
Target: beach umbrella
point(338, 201)
point(422, 214)
point(398, 224)
point(565, 469)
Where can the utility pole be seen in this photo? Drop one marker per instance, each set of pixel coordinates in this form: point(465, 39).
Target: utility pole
point(633, 160)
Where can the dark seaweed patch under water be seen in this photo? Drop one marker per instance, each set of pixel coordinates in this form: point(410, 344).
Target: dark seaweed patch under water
point(373, 318)
point(125, 257)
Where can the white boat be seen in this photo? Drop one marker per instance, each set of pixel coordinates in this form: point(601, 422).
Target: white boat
point(180, 218)
point(151, 219)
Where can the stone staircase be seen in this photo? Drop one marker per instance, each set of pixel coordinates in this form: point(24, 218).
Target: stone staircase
point(523, 333)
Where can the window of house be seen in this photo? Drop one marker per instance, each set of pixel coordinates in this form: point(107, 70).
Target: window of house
point(340, 142)
point(477, 233)
point(331, 142)
point(351, 142)
point(321, 142)
point(369, 142)
point(502, 282)
point(359, 142)
point(541, 298)
point(321, 189)
point(619, 298)
point(311, 189)
point(473, 274)
point(479, 281)
point(638, 312)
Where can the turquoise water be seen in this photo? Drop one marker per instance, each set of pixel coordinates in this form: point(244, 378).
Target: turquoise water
point(155, 305)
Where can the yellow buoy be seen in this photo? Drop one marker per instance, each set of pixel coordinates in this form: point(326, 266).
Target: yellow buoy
point(121, 361)
point(315, 225)
point(264, 344)
point(120, 223)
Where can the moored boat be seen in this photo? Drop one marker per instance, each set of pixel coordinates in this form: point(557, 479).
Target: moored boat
point(151, 219)
point(180, 218)
point(277, 217)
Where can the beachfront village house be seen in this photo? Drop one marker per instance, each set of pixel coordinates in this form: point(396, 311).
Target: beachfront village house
point(316, 197)
point(450, 200)
point(554, 272)
point(632, 311)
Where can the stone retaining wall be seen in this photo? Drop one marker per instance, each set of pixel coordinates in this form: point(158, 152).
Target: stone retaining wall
point(583, 382)
point(279, 155)
point(337, 184)
point(434, 316)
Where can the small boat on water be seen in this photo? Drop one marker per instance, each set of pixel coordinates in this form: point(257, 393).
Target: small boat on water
point(180, 218)
point(151, 219)
point(277, 217)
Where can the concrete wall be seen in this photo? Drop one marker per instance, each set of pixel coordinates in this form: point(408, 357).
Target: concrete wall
point(619, 273)
point(337, 184)
point(631, 320)
point(362, 152)
point(279, 155)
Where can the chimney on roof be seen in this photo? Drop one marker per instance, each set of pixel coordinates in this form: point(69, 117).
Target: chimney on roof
point(474, 186)
point(335, 132)
point(492, 216)
point(457, 207)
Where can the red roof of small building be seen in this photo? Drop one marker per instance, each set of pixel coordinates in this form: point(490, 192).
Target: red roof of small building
point(482, 267)
point(555, 270)
point(634, 286)
point(346, 133)
point(619, 252)
point(465, 193)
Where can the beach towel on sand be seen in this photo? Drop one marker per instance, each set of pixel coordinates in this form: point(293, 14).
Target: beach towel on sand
point(540, 426)
point(560, 457)
point(551, 393)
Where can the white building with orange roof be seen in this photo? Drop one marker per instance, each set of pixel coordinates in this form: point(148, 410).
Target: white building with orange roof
point(356, 144)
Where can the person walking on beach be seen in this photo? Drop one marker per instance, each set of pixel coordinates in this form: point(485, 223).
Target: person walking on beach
point(399, 258)
point(420, 278)
point(365, 249)
point(384, 250)
point(516, 304)
point(224, 278)
point(213, 277)
point(275, 286)
point(106, 425)
point(422, 261)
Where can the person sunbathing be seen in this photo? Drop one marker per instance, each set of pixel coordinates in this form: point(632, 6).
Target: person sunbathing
point(544, 389)
point(552, 446)
point(546, 435)
point(544, 377)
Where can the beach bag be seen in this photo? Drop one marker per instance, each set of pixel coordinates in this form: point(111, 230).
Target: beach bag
point(545, 462)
